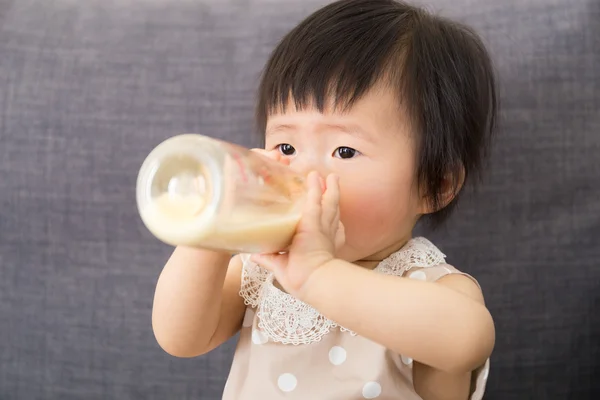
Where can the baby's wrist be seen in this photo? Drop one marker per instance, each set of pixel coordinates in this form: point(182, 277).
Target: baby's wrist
point(310, 289)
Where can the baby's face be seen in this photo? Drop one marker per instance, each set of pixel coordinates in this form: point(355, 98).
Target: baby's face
point(372, 150)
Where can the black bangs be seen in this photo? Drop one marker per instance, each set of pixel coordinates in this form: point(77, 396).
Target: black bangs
point(336, 55)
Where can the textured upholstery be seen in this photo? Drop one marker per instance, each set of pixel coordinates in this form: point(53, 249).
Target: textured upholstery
point(87, 88)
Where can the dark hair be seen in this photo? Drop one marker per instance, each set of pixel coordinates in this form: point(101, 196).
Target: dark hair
point(439, 69)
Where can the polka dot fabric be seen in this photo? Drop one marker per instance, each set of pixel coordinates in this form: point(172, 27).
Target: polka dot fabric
point(336, 365)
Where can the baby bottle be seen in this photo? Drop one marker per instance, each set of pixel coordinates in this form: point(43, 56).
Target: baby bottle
point(202, 192)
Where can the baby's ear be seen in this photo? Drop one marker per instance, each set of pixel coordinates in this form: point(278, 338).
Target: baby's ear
point(449, 188)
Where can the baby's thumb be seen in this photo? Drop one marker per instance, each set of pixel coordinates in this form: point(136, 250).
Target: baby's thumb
point(271, 262)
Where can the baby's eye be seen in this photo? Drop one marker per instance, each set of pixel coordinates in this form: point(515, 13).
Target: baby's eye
point(286, 149)
point(345, 152)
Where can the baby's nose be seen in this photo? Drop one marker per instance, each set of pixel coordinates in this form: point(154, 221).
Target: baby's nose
point(307, 163)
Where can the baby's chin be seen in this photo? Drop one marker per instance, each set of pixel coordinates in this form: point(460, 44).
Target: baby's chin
point(355, 255)
point(362, 255)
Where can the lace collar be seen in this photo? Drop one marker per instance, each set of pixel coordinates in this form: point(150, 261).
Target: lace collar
point(287, 320)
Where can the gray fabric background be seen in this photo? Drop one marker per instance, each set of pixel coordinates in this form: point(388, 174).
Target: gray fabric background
point(87, 88)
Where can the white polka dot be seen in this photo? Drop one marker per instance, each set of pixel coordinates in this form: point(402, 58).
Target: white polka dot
point(418, 275)
point(337, 355)
point(371, 390)
point(406, 360)
point(287, 382)
point(248, 318)
point(259, 337)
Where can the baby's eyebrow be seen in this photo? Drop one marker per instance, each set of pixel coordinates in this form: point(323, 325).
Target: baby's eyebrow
point(351, 129)
point(280, 128)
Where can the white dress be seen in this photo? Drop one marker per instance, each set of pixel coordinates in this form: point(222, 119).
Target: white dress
point(288, 350)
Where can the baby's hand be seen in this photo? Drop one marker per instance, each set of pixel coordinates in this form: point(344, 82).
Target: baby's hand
point(318, 234)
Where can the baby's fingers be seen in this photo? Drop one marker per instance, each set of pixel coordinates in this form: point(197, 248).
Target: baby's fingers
point(330, 203)
point(340, 236)
point(312, 209)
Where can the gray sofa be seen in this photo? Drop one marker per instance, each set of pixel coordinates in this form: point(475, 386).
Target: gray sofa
point(87, 88)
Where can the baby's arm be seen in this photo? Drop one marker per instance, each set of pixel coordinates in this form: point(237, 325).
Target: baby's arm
point(197, 304)
point(444, 325)
point(431, 383)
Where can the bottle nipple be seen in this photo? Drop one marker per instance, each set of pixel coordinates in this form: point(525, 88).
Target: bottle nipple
point(186, 193)
point(179, 188)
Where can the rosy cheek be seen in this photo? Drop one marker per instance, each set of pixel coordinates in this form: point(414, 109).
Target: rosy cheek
point(371, 212)
point(363, 211)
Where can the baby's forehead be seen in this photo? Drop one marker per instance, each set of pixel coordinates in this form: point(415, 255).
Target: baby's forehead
point(379, 104)
point(374, 119)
